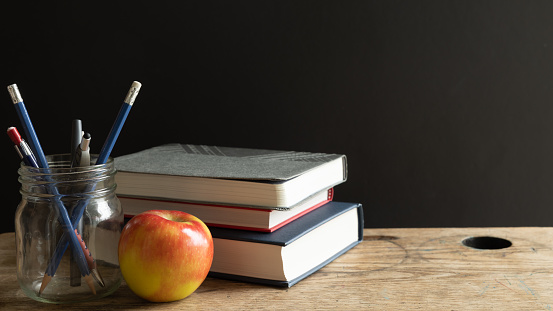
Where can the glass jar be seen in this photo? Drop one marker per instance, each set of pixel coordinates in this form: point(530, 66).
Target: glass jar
point(48, 268)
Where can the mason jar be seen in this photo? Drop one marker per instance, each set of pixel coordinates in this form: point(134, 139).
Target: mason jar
point(49, 269)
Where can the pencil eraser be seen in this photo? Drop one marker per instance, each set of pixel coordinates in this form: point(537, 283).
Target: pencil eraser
point(133, 92)
point(14, 135)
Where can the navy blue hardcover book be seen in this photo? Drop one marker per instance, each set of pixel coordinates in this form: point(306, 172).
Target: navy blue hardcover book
point(291, 253)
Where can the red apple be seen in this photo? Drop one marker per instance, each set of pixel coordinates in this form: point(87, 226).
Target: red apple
point(165, 255)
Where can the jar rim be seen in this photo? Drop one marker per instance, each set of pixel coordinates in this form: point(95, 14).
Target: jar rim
point(67, 180)
point(61, 164)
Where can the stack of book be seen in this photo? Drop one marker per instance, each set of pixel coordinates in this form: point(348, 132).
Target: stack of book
point(270, 213)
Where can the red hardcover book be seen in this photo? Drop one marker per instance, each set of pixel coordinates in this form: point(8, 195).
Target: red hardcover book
point(227, 216)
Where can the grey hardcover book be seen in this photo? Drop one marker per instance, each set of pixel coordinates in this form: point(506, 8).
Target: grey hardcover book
point(236, 176)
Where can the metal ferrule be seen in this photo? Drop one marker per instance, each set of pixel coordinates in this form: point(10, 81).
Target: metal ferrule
point(14, 93)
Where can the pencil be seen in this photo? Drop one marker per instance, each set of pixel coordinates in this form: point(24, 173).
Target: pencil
point(82, 158)
point(43, 163)
point(119, 122)
point(79, 209)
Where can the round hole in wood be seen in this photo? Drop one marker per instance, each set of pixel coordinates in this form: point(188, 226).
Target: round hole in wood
point(486, 242)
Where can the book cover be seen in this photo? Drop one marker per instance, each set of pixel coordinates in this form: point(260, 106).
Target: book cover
point(317, 238)
point(223, 162)
point(228, 176)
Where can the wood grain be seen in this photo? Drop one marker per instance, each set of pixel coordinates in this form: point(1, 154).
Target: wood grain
point(392, 269)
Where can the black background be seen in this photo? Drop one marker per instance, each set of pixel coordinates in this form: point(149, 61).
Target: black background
point(444, 108)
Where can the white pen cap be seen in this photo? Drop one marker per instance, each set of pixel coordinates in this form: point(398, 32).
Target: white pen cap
point(85, 143)
point(133, 92)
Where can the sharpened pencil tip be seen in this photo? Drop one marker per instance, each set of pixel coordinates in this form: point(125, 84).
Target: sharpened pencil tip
point(90, 283)
point(45, 280)
point(96, 274)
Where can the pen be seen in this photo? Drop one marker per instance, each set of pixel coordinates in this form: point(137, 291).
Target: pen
point(82, 152)
point(76, 136)
point(82, 158)
point(76, 128)
point(118, 124)
point(22, 148)
point(74, 272)
point(43, 163)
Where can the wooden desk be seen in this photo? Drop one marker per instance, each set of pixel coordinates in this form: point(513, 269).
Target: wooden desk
point(393, 269)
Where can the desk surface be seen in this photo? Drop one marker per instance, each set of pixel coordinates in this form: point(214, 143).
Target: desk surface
point(392, 269)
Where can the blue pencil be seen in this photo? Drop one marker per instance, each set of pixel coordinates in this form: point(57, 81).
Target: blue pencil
point(118, 124)
point(43, 163)
point(106, 151)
